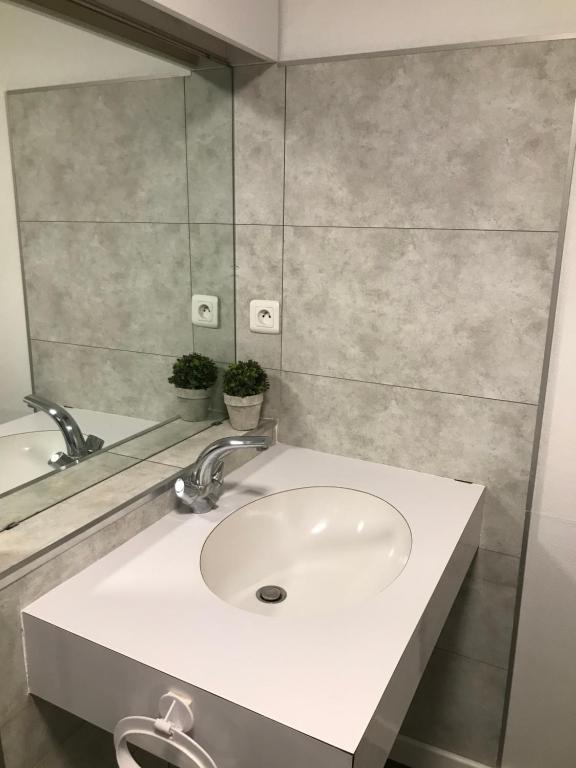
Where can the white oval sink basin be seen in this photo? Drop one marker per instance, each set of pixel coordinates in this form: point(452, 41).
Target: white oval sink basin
point(321, 548)
point(24, 456)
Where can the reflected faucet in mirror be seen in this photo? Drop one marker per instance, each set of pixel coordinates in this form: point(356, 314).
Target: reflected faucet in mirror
point(201, 486)
point(77, 446)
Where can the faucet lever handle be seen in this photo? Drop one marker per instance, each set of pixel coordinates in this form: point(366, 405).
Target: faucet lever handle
point(94, 443)
point(61, 460)
point(218, 474)
point(185, 491)
point(216, 485)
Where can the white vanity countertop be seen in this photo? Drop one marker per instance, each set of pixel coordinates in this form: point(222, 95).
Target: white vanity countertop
point(322, 675)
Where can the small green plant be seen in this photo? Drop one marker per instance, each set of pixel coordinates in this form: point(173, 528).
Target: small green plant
point(245, 378)
point(194, 372)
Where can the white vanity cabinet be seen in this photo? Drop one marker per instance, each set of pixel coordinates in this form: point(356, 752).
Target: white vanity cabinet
point(102, 687)
point(306, 690)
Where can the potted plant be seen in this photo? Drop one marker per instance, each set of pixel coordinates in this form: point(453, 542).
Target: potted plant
point(193, 375)
point(244, 385)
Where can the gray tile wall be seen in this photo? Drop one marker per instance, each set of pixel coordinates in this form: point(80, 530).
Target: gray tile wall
point(404, 210)
point(125, 206)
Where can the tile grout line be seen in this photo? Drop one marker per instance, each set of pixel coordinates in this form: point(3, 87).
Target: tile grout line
point(283, 231)
point(17, 204)
point(111, 349)
point(470, 658)
point(188, 226)
point(497, 552)
point(403, 386)
point(234, 239)
point(298, 226)
point(150, 459)
point(109, 221)
point(475, 579)
point(423, 229)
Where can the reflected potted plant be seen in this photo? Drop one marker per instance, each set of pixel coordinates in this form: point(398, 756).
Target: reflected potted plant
point(244, 385)
point(193, 376)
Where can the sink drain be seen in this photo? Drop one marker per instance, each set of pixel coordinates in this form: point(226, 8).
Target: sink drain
point(271, 594)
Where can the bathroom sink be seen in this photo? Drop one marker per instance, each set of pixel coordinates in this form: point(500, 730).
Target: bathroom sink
point(307, 550)
point(322, 679)
point(23, 457)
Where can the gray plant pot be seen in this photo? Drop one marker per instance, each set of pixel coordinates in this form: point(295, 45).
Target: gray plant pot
point(193, 404)
point(244, 412)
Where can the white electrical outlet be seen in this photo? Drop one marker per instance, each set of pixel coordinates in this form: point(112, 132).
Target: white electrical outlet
point(205, 310)
point(264, 316)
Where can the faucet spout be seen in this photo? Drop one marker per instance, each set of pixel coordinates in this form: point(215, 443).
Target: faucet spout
point(76, 445)
point(201, 486)
point(203, 468)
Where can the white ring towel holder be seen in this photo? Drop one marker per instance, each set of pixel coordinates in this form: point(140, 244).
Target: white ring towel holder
point(169, 729)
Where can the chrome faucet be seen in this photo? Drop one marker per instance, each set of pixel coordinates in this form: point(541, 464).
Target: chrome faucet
point(77, 447)
point(201, 486)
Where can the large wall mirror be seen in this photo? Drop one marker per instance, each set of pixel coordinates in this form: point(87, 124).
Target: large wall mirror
point(116, 209)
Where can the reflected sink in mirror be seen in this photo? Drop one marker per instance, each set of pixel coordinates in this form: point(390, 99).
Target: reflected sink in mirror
point(27, 443)
point(305, 551)
point(25, 456)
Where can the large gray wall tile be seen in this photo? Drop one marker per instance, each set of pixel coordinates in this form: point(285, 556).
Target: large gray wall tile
point(259, 101)
point(109, 380)
point(91, 747)
point(486, 441)
point(216, 408)
point(209, 145)
point(258, 276)
point(14, 689)
point(109, 152)
point(212, 271)
point(37, 729)
point(272, 407)
point(125, 286)
point(496, 568)
point(480, 623)
point(458, 707)
point(473, 138)
point(462, 312)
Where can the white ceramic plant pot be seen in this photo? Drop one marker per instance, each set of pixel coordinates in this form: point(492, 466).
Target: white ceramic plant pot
point(193, 404)
point(244, 412)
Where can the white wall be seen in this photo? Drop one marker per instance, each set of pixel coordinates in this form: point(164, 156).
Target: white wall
point(250, 24)
point(542, 720)
point(322, 28)
point(37, 51)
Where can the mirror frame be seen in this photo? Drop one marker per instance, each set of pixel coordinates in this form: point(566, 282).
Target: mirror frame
point(147, 27)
